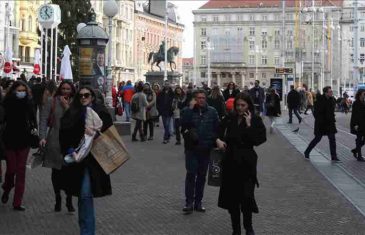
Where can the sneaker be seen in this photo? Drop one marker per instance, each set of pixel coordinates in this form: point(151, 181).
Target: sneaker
point(150, 138)
point(354, 153)
point(360, 159)
point(289, 122)
point(306, 155)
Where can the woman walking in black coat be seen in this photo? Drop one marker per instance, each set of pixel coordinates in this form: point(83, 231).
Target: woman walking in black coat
point(20, 121)
point(85, 179)
point(357, 123)
point(216, 100)
point(239, 132)
point(272, 105)
point(231, 91)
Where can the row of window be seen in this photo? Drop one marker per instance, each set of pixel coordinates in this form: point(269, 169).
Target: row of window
point(252, 46)
point(250, 75)
point(252, 32)
point(251, 60)
point(246, 17)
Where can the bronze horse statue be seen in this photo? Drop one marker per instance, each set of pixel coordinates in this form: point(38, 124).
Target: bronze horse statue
point(157, 57)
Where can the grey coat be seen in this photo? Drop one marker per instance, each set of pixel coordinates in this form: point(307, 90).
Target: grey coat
point(141, 114)
point(53, 156)
point(151, 112)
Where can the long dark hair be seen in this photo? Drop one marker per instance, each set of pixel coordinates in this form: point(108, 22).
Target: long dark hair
point(247, 98)
point(358, 94)
point(76, 102)
point(59, 89)
point(16, 84)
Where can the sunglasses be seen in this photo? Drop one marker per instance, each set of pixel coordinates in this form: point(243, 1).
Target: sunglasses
point(85, 95)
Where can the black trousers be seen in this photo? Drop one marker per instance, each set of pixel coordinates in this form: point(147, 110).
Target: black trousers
point(360, 141)
point(296, 114)
point(148, 124)
point(138, 128)
point(177, 125)
point(236, 219)
point(317, 139)
point(57, 179)
point(309, 107)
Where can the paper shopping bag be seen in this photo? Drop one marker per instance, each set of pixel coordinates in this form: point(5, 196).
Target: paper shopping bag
point(109, 150)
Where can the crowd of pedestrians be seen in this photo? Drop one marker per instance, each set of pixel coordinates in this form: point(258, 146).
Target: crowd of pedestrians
point(202, 118)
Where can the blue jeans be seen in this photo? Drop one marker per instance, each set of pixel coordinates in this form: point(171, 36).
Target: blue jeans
point(166, 120)
point(86, 207)
point(196, 164)
point(127, 109)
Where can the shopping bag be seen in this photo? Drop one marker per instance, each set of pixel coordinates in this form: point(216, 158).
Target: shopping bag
point(215, 167)
point(109, 150)
point(36, 159)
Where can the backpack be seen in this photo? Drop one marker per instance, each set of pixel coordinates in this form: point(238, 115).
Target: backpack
point(135, 104)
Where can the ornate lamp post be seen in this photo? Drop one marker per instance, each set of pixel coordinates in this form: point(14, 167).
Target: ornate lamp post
point(110, 10)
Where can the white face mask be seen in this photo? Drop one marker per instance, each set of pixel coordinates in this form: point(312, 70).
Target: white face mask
point(20, 94)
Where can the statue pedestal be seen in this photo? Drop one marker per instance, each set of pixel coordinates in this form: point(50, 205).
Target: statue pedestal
point(157, 77)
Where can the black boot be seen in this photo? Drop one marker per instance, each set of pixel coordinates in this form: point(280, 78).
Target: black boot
point(69, 205)
point(247, 223)
point(57, 206)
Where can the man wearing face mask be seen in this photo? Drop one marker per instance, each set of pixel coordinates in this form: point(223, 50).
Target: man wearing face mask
point(199, 124)
point(20, 120)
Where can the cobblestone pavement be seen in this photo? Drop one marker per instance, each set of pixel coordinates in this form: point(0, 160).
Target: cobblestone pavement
point(148, 197)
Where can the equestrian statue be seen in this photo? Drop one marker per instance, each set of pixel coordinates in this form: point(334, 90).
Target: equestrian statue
point(160, 56)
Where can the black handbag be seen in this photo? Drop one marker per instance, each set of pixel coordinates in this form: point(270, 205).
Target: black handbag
point(36, 159)
point(34, 137)
point(215, 168)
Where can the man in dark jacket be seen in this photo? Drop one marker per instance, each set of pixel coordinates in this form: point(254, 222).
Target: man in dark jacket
point(325, 122)
point(293, 104)
point(200, 130)
point(257, 94)
point(164, 107)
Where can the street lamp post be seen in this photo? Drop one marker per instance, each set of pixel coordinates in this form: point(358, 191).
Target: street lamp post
point(209, 48)
point(110, 10)
point(166, 22)
point(257, 51)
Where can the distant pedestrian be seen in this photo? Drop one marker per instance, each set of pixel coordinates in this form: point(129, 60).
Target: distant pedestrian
point(199, 127)
point(127, 92)
point(293, 100)
point(257, 94)
point(86, 180)
point(310, 102)
point(206, 88)
point(325, 123)
point(20, 121)
point(138, 106)
point(272, 105)
point(49, 127)
point(164, 106)
point(231, 91)
point(177, 106)
point(151, 111)
point(157, 89)
point(239, 132)
point(216, 100)
point(357, 124)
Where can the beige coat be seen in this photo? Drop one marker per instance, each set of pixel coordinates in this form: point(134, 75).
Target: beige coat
point(309, 98)
point(141, 114)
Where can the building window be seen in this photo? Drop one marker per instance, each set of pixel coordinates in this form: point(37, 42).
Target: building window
point(22, 24)
point(252, 45)
point(264, 60)
point(30, 26)
point(352, 42)
point(362, 27)
point(277, 33)
point(264, 32)
point(278, 16)
point(252, 31)
point(202, 74)
point(264, 17)
point(203, 45)
point(252, 17)
point(277, 44)
point(264, 44)
point(203, 60)
point(277, 60)
point(290, 44)
point(251, 75)
point(228, 17)
point(263, 75)
point(204, 19)
point(251, 59)
point(362, 42)
point(362, 58)
point(215, 18)
point(290, 32)
point(240, 17)
point(204, 32)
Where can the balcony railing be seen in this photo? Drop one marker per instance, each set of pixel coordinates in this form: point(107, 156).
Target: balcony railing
point(25, 59)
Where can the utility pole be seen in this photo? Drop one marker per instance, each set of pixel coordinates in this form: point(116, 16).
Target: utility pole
point(166, 21)
point(356, 42)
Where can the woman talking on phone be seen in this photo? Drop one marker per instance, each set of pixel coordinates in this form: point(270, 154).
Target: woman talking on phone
point(239, 132)
point(51, 114)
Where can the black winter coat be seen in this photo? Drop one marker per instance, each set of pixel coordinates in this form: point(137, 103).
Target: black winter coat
point(239, 175)
point(358, 118)
point(19, 118)
point(164, 103)
point(227, 95)
point(273, 105)
point(71, 132)
point(293, 99)
point(324, 114)
point(219, 105)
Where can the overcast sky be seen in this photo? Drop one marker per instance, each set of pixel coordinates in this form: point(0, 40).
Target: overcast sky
point(185, 8)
